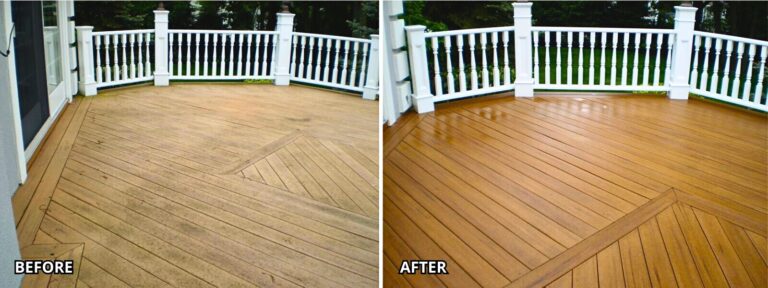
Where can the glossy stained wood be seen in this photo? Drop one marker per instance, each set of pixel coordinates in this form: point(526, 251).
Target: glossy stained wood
point(723, 262)
point(526, 184)
point(143, 179)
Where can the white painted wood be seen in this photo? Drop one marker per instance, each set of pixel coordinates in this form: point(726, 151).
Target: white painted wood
point(87, 83)
point(748, 78)
point(364, 63)
point(448, 64)
point(625, 59)
point(81, 57)
point(215, 38)
point(761, 77)
point(473, 62)
point(737, 70)
point(614, 44)
point(569, 63)
point(636, 59)
point(647, 64)
point(197, 54)
point(371, 87)
point(436, 69)
point(162, 74)
point(496, 70)
point(422, 97)
point(683, 37)
point(536, 76)
point(132, 67)
point(484, 59)
point(592, 41)
point(460, 53)
point(580, 70)
point(107, 65)
point(559, 60)
point(139, 54)
point(657, 60)
point(726, 71)
point(603, 43)
point(715, 68)
point(547, 64)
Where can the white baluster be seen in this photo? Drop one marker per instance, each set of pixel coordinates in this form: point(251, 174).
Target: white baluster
point(179, 67)
point(670, 43)
point(335, 70)
point(303, 44)
point(737, 74)
point(294, 57)
point(256, 55)
point(647, 65)
point(716, 68)
point(353, 73)
point(326, 67)
point(483, 51)
point(449, 66)
point(705, 65)
point(436, 62)
point(635, 68)
point(473, 64)
point(248, 55)
point(319, 66)
point(205, 54)
point(170, 52)
point(147, 65)
point(727, 71)
point(124, 58)
point(364, 62)
point(547, 64)
point(536, 72)
point(98, 58)
point(603, 43)
point(116, 67)
point(615, 42)
point(140, 64)
point(188, 61)
point(657, 60)
point(197, 54)
point(462, 74)
point(223, 62)
point(240, 41)
point(107, 66)
point(132, 39)
point(559, 61)
point(625, 60)
point(761, 76)
point(214, 55)
point(581, 59)
point(345, 64)
point(231, 67)
point(310, 54)
point(273, 59)
point(592, 40)
point(496, 71)
point(748, 79)
point(569, 69)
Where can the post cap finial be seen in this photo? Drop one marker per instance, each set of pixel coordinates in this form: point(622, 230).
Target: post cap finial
point(286, 7)
point(687, 4)
point(160, 6)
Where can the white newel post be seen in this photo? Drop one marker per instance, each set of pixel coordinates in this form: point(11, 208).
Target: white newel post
point(371, 87)
point(685, 18)
point(86, 82)
point(161, 48)
point(523, 55)
point(283, 62)
point(422, 97)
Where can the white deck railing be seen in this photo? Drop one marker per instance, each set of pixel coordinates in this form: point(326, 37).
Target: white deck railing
point(601, 59)
point(730, 69)
point(221, 55)
point(122, 57)
point(334, 61)
point(464, 63)
point(113, 58)
point(470, 62)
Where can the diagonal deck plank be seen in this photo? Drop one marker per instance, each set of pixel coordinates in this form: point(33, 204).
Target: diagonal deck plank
point(133, 176)
point(580, 181)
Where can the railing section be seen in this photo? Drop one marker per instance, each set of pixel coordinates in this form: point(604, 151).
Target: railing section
point(470, 62)
point(122, 57)
point(606, 59)
point(730, 69)
point(334, 61)
point(221, 55)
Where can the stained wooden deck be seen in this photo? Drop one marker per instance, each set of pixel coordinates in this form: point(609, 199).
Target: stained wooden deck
point(559, 191)
point(201, 185)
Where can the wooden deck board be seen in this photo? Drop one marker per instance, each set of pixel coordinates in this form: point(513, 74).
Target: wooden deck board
point(152, 182)
point(579, 181)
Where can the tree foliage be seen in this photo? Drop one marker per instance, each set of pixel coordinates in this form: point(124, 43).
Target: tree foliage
point(345, 18)
point(740, 18)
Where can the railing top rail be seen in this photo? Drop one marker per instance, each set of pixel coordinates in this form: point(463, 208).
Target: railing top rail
point(332, 37)
point(120, 32)
point(601, 29)
point(221, 31)
point(732, 38)
point(469, 31)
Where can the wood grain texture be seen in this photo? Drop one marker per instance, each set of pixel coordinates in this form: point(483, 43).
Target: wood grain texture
point(559, 179)
point(134, 178)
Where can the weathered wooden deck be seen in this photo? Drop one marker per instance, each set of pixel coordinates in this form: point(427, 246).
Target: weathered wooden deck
point(572, 192)
point(200, 185)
